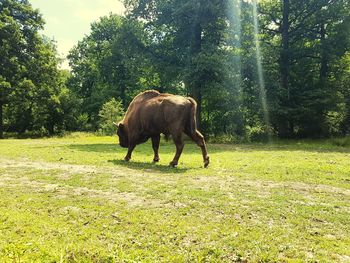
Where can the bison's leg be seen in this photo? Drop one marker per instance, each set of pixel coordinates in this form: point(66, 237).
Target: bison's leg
point(199, 140)
point(155, 145)
point(179, 147)
point(130, 149)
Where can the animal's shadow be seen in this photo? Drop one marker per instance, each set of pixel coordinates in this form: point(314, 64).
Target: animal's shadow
point(149, 166)
point(191, 148)
point(136, 164)
point(97, 147)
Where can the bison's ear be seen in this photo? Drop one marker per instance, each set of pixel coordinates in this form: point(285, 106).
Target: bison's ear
point(120, 125)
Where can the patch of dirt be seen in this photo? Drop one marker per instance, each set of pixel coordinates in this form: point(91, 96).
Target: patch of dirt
point(225, 184)
point(5, 163)
point(343, 258)
point(62, 190)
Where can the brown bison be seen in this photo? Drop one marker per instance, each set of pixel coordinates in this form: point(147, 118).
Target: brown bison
point(152, 113)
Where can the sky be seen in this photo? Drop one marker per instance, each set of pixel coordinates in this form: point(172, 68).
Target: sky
point(68, 21)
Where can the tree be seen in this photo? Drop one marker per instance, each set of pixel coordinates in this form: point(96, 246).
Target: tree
point(32, 89)
point(303, 32)
point(189, 36)
point(207, 49)
point(19, 24)
point(110, 63)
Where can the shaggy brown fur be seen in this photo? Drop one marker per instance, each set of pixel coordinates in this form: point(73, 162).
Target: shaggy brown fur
point(152, 113)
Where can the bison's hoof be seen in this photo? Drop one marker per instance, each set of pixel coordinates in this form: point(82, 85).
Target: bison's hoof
point(173, 164)
point(155, 160)
point(206, 162)
point(126, 159)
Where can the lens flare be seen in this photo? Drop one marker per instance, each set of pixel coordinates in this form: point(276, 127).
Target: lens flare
point(260, 69)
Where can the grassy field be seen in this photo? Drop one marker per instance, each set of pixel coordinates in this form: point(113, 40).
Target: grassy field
point(73, 199)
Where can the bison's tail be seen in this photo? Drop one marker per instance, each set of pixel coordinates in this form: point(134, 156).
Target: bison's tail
point(193, 117)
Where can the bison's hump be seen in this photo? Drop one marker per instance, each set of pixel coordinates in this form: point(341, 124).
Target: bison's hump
point(148, 94)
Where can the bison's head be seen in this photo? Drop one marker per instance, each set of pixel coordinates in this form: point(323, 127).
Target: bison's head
point(123, 138)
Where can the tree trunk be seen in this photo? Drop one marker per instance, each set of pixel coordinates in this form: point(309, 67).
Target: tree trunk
point(122, 84)
point(324, 59)
point(323, 77)
point(197, 95)
point(196, 82)
point(285, 48)
point(123, 95)
point(285, 127)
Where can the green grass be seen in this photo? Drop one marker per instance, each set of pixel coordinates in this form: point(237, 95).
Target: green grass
point(73, 199)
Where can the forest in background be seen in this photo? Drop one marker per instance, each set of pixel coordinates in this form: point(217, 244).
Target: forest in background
point(272, 68)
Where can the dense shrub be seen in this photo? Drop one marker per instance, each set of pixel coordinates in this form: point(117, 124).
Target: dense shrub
point(110, 113)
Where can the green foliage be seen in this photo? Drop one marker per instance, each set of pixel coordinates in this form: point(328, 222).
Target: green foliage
point(258, 134)
point(191, 37)
point(110, 63)
point(311, 38)
point(33, 93)
point(204, 49)
point(341, 142)
point(225, 138)
point(111, 112)
point(218, 59)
